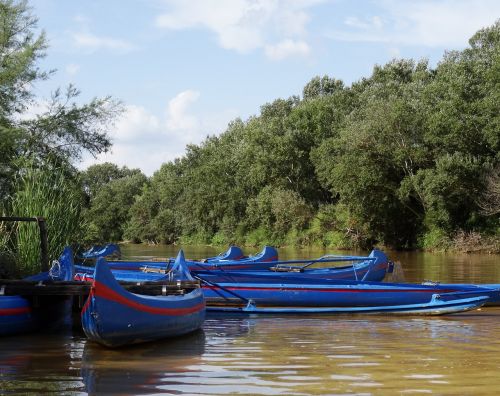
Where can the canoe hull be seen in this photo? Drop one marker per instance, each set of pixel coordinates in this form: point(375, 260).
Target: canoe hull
point(16, 315)
point(115, 317)
point(21, 315)
point(494, 300)
point(435, 306)
point(232, 253)
point(372, 269)
point(139, 326)
point(332, 296)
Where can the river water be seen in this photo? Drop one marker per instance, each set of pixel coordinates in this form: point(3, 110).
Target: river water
point(281, 355)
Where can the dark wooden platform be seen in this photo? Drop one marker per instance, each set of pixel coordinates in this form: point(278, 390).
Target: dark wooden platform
point(78, 288)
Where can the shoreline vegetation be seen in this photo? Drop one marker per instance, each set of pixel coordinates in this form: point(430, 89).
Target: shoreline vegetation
point(406, 158)
point(461, 243)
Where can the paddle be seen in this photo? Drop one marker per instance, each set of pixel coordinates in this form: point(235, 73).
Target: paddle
point(210, 283)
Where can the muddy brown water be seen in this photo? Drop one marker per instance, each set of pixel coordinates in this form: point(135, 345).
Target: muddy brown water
point(280, 355)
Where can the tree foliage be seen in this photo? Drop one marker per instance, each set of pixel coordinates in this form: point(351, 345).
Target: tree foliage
point(64, 128)
point(396, 158)
point(38, 151)
point(111, 192)
point(406, 157)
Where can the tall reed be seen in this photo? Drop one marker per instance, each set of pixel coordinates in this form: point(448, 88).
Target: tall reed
point(49, 193)
point(8, 266)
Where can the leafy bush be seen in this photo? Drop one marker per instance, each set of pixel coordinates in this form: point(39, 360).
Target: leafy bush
point(434, 239)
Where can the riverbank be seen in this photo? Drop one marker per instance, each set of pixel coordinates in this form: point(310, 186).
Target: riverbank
point(435, 242)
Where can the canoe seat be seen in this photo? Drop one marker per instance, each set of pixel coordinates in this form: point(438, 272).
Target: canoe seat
point(154, 270)
point(280, 268)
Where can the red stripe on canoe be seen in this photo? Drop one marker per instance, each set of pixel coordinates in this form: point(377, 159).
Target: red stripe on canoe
point(107, 293)
point(87, 303)
point(285, 288)
point(14, 311)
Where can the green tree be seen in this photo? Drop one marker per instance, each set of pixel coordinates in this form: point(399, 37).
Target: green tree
point(109, 210)
point(35, 148)
point(65, 129)
point(95, 177)
point(379, 146)
point(397, 158)
point(321, 86)
point(154, 215)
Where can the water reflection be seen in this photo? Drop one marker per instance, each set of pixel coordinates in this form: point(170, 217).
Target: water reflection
point(271, 355)
point(138, 369)
point(40, 363)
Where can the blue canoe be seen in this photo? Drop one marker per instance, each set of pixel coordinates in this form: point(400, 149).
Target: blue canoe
point(109, 250)
point(494, 300)
point(112, 316)
point(294, 293)
point(20, 314)
point(369, 268)
point(232, 253)
point(266, 295)
point(263, 260)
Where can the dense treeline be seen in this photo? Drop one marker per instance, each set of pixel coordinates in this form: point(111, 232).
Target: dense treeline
point(408, 157)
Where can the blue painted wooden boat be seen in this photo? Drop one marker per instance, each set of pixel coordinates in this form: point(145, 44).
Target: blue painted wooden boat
point(438, 304)
point(294, 293)
point(263, 260)
point(113, 317)
point(232, 253)
point(266, 295)
point(232, 259)
point(494, 300)
point(21, 314)
point(371, 268)
point(109, 250)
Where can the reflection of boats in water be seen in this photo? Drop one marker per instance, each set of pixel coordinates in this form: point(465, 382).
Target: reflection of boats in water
point(234, 326)
point(29, 363)
point(138, 369)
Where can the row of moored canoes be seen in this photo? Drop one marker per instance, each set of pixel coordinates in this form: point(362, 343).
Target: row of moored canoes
point(231, 282)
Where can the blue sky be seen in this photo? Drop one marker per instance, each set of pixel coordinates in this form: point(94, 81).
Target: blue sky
point(185, 68)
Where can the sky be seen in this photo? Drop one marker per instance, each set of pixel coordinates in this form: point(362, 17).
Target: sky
point(184, 69)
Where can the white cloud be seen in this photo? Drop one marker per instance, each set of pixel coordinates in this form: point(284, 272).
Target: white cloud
point(136, 123)
point(374, 22)
point(287, 48)
point(243, 25)
point(144, 140)
point(72, 69)
point(394, 52)
point(436, 23)
point(447, 23)
point(178, 118)
point(93, 43)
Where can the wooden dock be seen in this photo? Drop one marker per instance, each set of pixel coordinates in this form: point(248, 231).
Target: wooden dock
point(78, 288)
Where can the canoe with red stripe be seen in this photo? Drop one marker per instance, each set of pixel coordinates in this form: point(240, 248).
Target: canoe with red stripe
point(324, 295)
point(113, 316)
point(20, 315)
point(437, 304)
